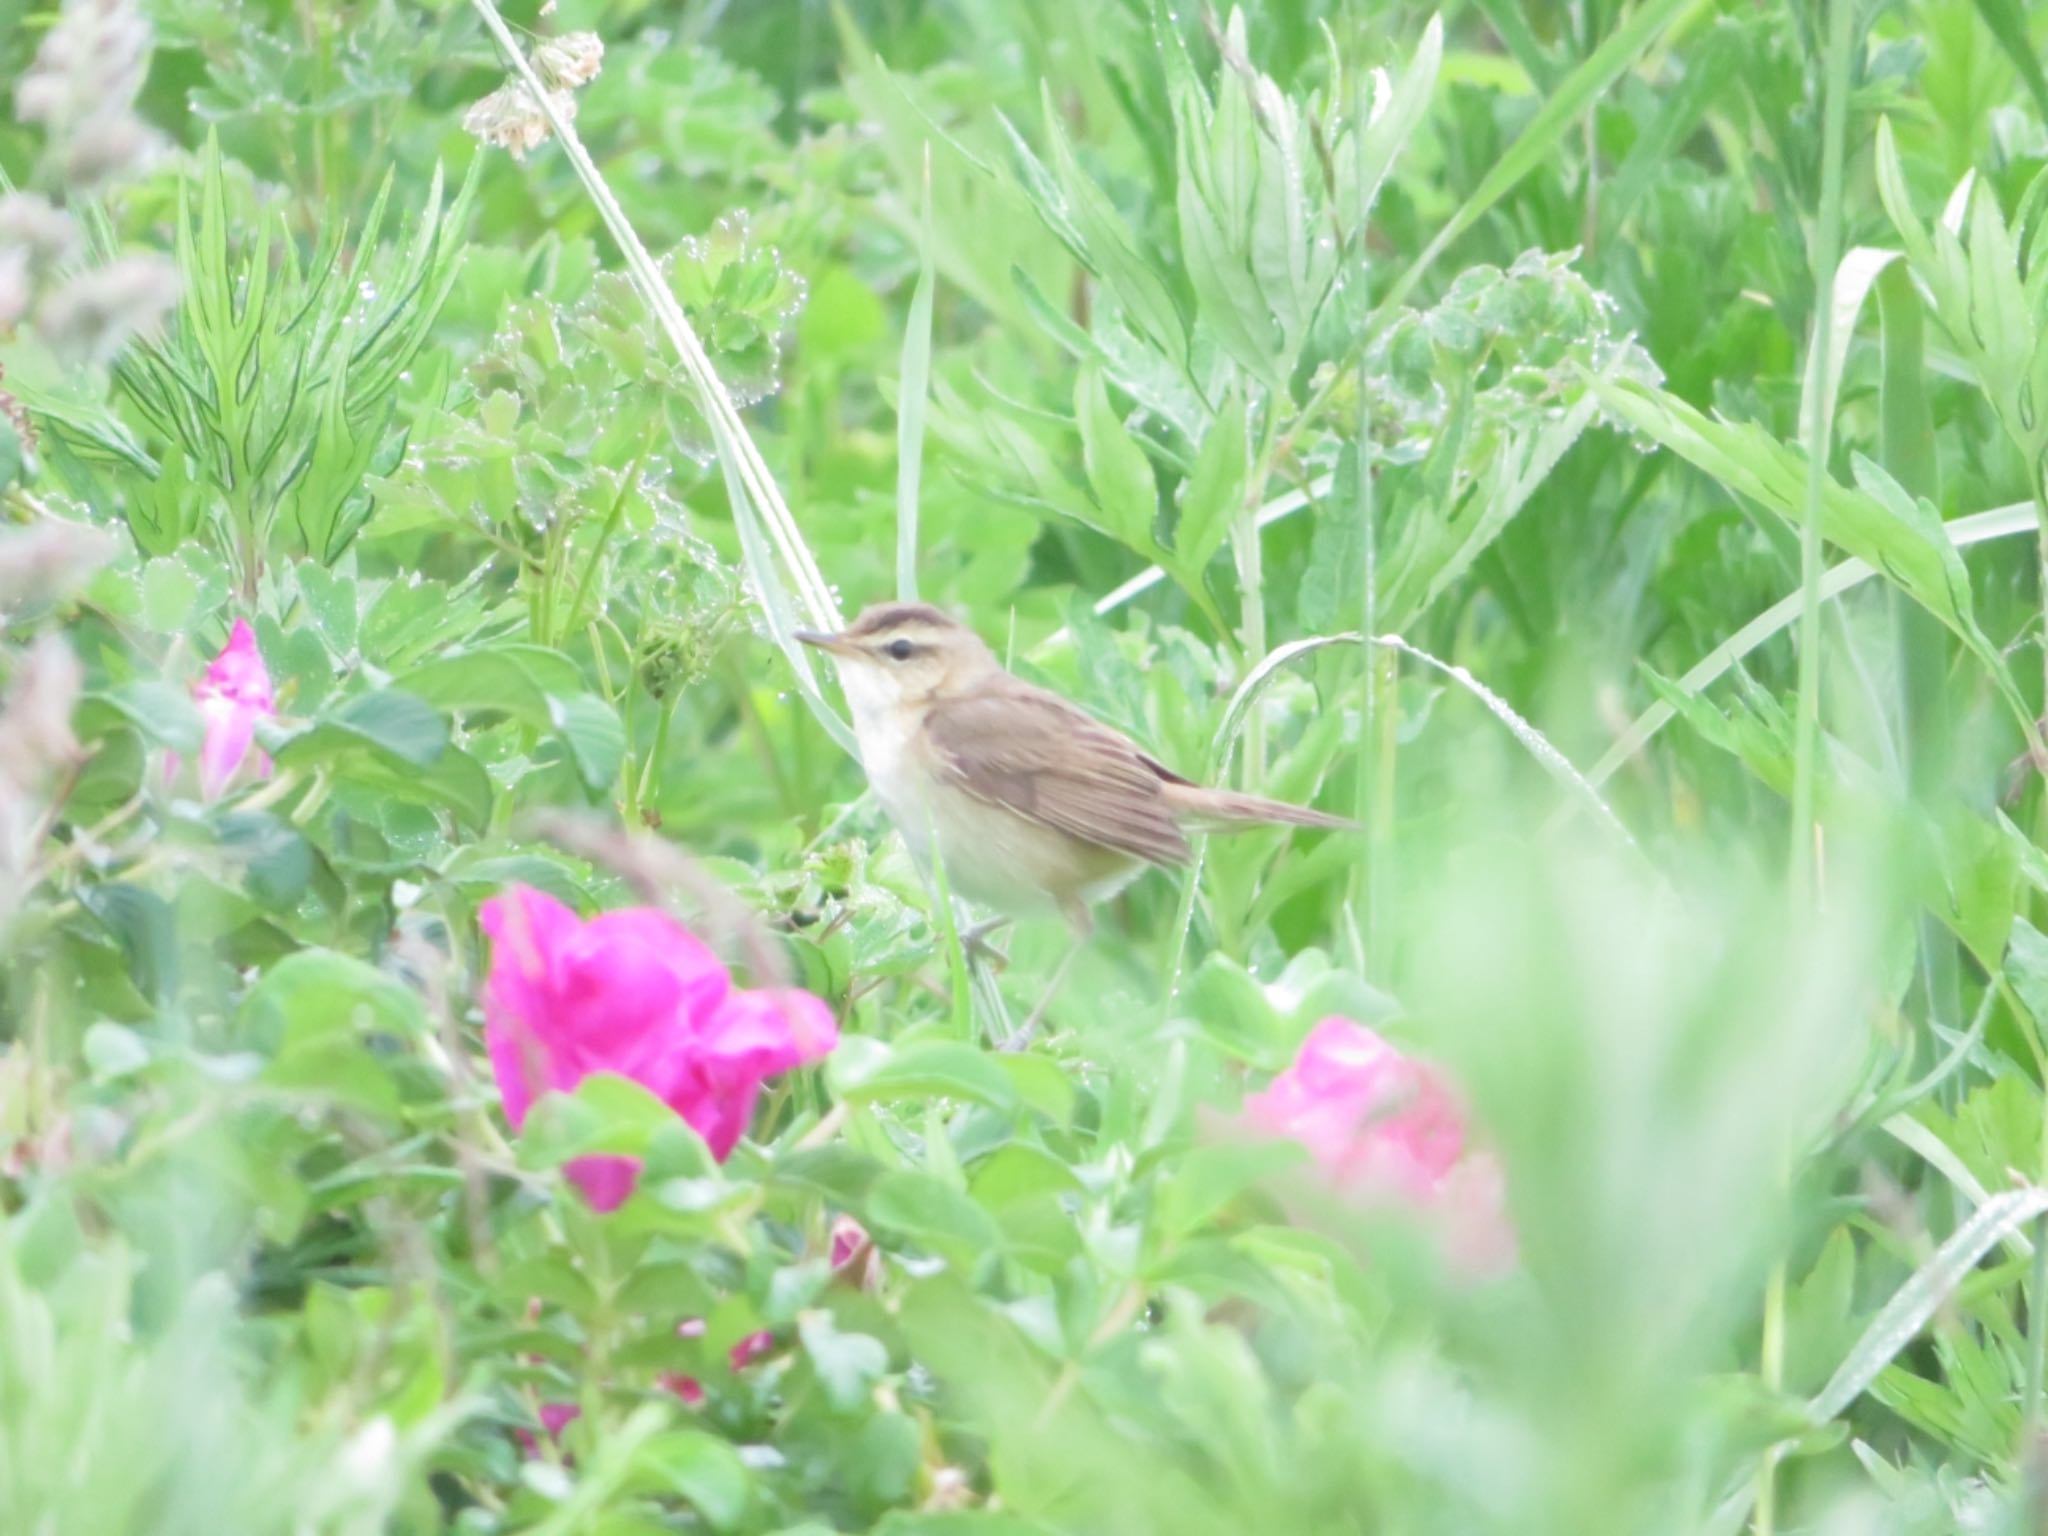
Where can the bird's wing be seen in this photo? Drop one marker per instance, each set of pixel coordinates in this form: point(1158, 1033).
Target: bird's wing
point(1033, 753)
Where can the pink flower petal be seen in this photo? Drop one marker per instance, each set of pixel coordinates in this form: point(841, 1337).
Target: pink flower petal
point(232, 695)
point(687, 1388)
point(1366, 1113)
point(230, 730)
point(1384, 1125)
point(238, 672)
point(635, 993)
point(750, 1349)
point(849, 1239)
point(605, 1181)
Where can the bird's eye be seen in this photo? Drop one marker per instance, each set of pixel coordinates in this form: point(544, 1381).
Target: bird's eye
point(898, 650)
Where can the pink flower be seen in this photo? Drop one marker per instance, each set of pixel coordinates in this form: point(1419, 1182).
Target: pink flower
point(853, 1256)
point(750, 1349)
point(635, 993)
point(687, 1390)
point(233, 695)
point(1382, 1125)
point(849, 1241)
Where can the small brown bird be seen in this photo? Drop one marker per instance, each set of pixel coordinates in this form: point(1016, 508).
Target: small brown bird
point(1034, 805)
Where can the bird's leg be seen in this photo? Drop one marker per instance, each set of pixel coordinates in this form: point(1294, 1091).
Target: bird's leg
point(1084, 926)
point(974, 939)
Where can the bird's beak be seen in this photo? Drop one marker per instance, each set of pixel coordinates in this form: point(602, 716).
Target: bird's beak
point(838, 645)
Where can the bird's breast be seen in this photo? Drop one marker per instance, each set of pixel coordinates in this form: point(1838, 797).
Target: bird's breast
point(992, 854)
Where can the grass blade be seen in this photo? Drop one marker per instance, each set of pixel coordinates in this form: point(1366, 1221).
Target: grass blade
point(762, 502)
point(912, 393)
point(1539, 746)
point(1997, 523)
point(1561, 114)
point(1915, 1302)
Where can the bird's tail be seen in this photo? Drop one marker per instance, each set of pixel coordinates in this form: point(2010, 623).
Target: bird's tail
point(1225, 810)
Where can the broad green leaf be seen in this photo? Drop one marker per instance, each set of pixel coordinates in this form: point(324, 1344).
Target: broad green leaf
point(332, 602)
point(848, 1364)
point(1387, 132)
point(1119, 475)
point(1213, 493)
point(1208, 1178)
point(142, 924)
point(319, 992)
point(935, 1068)
point(702, 1469)
point(394, 724)
point(920, 1209)
point(517, 679)
point(2007, 21)
point(163, 712)
point(320, 1008)
point(606, 1114)
point(594, 735)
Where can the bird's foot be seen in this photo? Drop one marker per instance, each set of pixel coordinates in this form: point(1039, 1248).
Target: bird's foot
point(974, 940)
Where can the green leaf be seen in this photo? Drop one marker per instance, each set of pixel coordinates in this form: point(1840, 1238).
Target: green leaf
point(596, 739)
point(168, 594)
point(1228, 300)
point(319, 1007)
point(1562, 112)
point(1106, 247)
point(1119, 475)
point(1896, 534)
point(607, 1114)
point(920, 1209)
point(848, 1364)
point(143, 925)
point(1231, 1008)
point(1333, 586)
point(165, 714)
point(1214, 491)
point(702, 1469)
point(394, 724)
point(1915, 1302)
point(1209, 1178)
point(935, 1069)
point(321, 994)
point(517, 679)
point(331, 601)
point(2007, 22)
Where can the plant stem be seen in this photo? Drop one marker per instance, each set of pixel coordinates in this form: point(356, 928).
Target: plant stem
point(1819, 430)
point(1818, 433)
point(1772, 1355)
point(1251, 584)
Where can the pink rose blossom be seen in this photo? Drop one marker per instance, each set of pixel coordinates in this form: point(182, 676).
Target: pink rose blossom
point(1382, 1125)
point(635, 993)
point(232, 695)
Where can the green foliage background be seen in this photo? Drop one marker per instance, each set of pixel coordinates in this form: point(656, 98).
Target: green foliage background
point(1406, 412)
